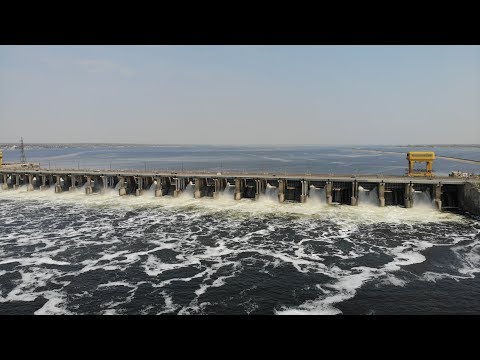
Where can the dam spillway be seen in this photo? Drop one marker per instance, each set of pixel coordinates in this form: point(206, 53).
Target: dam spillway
point(191, 249)
point(443, 192)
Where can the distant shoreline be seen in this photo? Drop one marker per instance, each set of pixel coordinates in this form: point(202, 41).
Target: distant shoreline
point(14, 146)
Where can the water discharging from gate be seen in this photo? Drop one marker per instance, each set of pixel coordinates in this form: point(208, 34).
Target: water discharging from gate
point(317, 195)
point(367, 197)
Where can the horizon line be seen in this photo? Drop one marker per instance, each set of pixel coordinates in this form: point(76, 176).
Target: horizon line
point(230, 145)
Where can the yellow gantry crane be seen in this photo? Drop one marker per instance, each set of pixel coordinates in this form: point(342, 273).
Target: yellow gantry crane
point(420, 156)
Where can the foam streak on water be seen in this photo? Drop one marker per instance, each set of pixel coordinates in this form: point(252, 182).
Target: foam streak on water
point(104, 254)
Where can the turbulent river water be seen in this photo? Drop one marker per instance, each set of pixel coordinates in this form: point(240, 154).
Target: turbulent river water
point(70, 253)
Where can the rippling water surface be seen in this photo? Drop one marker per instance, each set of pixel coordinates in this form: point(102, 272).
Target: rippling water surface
point(70, 253)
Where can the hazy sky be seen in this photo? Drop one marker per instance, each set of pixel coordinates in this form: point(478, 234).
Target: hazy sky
point(240, 94)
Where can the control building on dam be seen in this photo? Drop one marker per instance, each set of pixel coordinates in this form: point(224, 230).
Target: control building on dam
point(444, 192)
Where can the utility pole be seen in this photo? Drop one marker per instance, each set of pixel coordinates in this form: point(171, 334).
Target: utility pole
point(23, 158)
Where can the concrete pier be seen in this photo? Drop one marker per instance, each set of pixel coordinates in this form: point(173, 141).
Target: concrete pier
point(88, 186)
point(121, 189)
point(139, 190)
point(5, 182)
point(17, 182)
point(197, 193)
point(179, 186)
point(305, 191)
point(73, 181)
point(260, 186)
point(437, 195)
point(328, 192)
point(207, 187)
point(58, 184)
point(354, 197)
point(238, 189)
point(30, 182)
point(281, 191)
point(220, 185)
point(158, 187)
point(381, 194)
point(408, 197)
point(44, 183)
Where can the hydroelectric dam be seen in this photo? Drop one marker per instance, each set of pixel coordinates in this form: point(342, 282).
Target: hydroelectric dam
point(445, 192)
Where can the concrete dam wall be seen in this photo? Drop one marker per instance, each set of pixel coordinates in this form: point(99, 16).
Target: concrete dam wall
point(441, 192)
point(470, 198)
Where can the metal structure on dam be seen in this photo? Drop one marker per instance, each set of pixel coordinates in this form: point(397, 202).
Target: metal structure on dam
point(445, 192)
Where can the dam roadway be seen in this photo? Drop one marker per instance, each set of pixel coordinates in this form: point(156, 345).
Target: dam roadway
point(447, 192)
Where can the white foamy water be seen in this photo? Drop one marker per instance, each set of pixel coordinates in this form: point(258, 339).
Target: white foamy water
point(317, 195)
point(422, 199)
point(101, 253)
point(367, 197)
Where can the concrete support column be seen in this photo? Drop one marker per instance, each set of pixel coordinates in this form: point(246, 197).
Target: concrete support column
point(88, 187)
point(17, 182)
point(44, 182)
point(259, 189)
point(5, 184)
point(304, 195)
point(139, 190)
point(328, 192)
point(198, 188)
point(121, 189)
point(220, 185)
point(281, 190)
point(238, 188)
point(73, 182)
point(408, 195)
point(179, 186)
point(437, 195)
point(158, 187)
point(354, 199)
point(30, 182)
point(381, 194)
point(58, 184)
